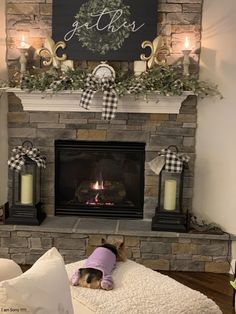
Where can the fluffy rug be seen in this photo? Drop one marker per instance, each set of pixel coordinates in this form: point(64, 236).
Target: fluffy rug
point(140, 290)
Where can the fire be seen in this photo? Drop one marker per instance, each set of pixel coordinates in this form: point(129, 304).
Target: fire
point(97, 198)
point(98, 186)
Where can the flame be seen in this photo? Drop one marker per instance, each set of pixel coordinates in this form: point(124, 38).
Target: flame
point(96, 198)
point(186, 43)
point(98, 186)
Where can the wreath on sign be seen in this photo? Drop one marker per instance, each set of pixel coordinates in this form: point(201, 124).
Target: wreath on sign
point(102, 41)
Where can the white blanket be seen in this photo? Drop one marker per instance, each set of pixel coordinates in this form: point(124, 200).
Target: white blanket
point(140, 290)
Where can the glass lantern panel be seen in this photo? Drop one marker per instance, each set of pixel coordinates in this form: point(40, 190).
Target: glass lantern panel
point(16, 187)
point(37, 183)
point(170, 189)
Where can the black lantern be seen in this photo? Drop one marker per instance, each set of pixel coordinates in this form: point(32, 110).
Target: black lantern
point(169, 214)
point(26, 201)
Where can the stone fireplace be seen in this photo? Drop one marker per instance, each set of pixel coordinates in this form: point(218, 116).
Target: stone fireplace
point(99, 178)
point(75, 236)
point(155, 130)
point(175, 21)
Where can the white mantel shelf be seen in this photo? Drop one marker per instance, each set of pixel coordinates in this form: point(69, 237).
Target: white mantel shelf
point(69, 101)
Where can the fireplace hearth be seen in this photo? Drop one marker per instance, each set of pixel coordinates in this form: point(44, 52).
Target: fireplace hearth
point(99, 179)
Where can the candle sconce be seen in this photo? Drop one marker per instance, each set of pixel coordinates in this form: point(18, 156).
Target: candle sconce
point(186, 52)
point(169, 214)
point(26, 206)
point(23, 59)
point(23, 47)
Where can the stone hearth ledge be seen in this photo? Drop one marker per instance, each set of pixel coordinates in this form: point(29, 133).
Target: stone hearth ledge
point(75, 225)
point(69, 101)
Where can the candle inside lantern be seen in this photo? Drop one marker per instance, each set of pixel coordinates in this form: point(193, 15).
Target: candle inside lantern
point(170, 195)
point(27, 189)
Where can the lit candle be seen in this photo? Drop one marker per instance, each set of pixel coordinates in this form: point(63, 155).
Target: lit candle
point(186, 43)
point(23, 43)
point(27, 189)
point(170, 195)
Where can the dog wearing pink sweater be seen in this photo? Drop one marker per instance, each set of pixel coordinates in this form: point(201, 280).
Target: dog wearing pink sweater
point(97, 271)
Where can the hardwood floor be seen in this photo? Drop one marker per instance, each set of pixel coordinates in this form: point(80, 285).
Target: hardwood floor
point(214, 286)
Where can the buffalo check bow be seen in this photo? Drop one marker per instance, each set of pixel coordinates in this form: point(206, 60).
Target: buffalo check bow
point(174, 161)
point(107, 86)
point(19, 153)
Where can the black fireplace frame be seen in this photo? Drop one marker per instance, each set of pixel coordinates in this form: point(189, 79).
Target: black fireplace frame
point(100, 211)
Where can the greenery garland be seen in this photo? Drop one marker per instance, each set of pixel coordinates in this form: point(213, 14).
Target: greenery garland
point(97, 41)
point(164, 80)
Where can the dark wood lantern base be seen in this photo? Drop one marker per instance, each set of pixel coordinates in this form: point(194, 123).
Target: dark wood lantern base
point(170, 221)
point(25, 215)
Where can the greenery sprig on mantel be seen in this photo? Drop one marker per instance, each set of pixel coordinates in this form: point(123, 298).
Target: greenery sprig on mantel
point(166, 80)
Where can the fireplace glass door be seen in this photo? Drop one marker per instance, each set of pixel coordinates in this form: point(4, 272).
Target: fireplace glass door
point(99, 179)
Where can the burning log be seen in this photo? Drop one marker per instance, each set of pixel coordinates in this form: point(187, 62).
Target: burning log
point(106, 192)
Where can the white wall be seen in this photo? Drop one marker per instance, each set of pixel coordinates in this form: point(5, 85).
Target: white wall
point(3, 108)
point(215, 171)
point(3, 67)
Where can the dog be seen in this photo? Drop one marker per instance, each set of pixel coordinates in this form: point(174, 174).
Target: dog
point(96, 273)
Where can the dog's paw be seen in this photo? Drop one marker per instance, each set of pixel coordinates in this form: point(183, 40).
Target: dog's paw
point(106, 285)
point(74, 280)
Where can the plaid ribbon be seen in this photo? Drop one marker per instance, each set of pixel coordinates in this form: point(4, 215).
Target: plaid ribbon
point(135, 88)
point(110, 100)
point(173, 161)
point(19, 153)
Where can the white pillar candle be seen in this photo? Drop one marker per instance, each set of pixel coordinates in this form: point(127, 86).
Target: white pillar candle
point(26, 189)
point(67, 65)
point(170, 195)
point(139, 67)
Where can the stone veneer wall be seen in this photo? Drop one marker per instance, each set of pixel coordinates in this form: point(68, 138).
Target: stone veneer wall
point(156, 130)
point(188, 253)
point(176, 19)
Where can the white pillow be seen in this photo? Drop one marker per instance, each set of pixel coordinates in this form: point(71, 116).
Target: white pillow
point(9, 269)
point(43, 289)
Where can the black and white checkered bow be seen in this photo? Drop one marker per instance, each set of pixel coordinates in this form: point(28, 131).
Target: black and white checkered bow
point(174, 161)
point(107, 86)
point(135, 88)
point(19, 153)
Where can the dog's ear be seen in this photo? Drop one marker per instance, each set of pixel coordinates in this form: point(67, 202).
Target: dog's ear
point(103, 241)
point(121, 245)
point(121, 256)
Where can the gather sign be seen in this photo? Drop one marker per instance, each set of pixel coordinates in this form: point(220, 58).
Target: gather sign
point(104, 29)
